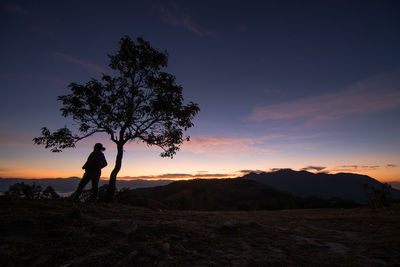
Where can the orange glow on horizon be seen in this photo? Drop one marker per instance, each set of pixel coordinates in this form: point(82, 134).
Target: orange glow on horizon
point(380, 175)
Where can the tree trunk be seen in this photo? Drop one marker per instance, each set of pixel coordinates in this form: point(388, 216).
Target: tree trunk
point(113, 176)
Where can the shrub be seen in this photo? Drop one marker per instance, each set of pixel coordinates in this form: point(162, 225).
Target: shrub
point(379, 197)
point(34, 191)
point(49, 193)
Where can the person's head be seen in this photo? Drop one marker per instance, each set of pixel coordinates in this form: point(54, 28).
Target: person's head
point(99, 147)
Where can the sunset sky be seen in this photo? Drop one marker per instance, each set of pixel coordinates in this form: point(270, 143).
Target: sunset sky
point(311, 85)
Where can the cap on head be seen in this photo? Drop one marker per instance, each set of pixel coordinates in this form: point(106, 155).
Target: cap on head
point(99, 146)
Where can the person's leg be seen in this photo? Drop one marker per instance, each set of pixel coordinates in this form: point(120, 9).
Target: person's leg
point(85, 179)
point(95, 186)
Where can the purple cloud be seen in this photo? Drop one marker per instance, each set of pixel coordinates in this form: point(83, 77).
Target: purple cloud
point(374, 94)
point(83, 63)
point(176, 15)
point(391, 165)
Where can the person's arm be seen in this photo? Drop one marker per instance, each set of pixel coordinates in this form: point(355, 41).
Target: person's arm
point(103, 161)
point(89, 162)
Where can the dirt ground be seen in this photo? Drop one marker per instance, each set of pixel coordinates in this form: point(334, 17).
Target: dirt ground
point(63, 233)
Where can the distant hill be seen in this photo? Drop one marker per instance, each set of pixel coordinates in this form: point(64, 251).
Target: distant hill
point(395, 184)
point(67, 185)
point(305, 184)
point(222, 194)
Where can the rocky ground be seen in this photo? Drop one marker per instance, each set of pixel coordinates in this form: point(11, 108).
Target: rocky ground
point(63, 233)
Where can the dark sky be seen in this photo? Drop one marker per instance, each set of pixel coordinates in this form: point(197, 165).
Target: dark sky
point(279, 83)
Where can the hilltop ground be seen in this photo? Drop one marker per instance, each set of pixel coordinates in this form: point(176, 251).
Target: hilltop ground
point(63, 233)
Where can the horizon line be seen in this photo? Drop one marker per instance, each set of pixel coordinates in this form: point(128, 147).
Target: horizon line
point(182, 177)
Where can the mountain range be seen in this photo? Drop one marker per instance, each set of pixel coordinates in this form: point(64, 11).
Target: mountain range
point(289, 183)
point(347, 186)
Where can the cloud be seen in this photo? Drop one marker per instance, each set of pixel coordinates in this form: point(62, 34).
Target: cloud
point(250, 171)
point(83, 63)
point(198, 175)
point(217, 144)
point(15, 140)
point(313, 168)
point(14, 8)
point(176, 176)
point(277, 169)
point(352, 168)
point(375, 94)
point(262, 144)
point(214, 175)
point(4, 170)
point(391, 165)
point(176, 15)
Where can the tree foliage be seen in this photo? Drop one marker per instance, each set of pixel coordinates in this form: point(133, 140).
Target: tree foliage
point(140, 102)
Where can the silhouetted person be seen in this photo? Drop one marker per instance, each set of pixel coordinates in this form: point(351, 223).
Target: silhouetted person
point(95, 162)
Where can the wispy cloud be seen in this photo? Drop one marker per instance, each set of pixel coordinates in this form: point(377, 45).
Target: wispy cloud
point(83, 63)
point(176, 176)
point(264, 144)
point(217, 144)
point(277, 169)
point(239, 173)
point(371, 95)
point(391, 165)
point(15, 140)
point(4, 170)
point(177, 15)
point(313, 168)
point(355, 168)
point(14, 8)
point(249, 171)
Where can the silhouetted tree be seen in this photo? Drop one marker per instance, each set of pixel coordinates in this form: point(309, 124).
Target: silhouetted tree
point(140, 102)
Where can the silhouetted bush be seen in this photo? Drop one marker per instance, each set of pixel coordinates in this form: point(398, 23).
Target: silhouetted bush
point(34, 191)
point(49, 193)
point(87, 195)
point(379, 197)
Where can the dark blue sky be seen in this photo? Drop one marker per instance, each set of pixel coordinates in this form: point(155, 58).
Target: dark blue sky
point(279, 83)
